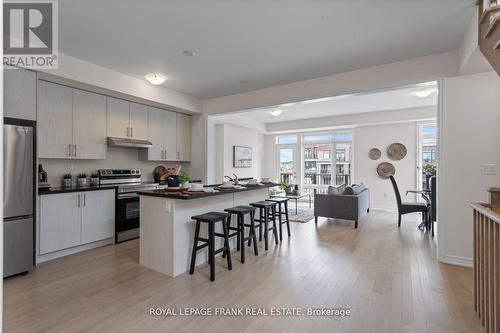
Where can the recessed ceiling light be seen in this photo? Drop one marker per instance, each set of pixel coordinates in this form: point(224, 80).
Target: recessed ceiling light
point(189, 53)
point(155, 78)
point(275, 112)
point(424, 92)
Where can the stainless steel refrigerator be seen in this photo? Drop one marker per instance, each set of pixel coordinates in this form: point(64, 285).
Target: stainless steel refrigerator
point(18, 194)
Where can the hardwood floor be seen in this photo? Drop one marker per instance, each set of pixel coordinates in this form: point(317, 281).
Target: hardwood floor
point(387, 277)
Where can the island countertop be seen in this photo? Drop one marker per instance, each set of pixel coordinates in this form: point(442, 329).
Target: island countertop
point(198, 195)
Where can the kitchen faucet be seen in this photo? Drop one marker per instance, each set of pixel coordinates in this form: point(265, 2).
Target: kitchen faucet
point(234, 180)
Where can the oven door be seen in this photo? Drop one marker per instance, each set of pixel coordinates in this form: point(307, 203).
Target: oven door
point(127, 216)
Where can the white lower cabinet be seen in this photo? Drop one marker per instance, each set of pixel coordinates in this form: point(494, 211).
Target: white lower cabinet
point(69, 220)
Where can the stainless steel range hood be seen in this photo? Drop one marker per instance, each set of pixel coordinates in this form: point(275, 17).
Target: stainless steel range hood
point(133, 143)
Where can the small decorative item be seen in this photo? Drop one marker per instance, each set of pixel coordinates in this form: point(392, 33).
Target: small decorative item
point(81, 180)
point(184, 178)
point(94, 179)
point(396, 151)
point(386, 169)
point(242, 157)
point(67, 180)
point(374, 154)
point(285, 186)
point(495, 198)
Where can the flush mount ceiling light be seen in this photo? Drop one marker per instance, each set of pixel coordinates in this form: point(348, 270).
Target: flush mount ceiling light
point(424, 92)
point(189, 53)
point(155, 78)
point(275, 112)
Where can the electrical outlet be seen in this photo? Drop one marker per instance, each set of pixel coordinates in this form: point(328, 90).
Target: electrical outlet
point(488, 169)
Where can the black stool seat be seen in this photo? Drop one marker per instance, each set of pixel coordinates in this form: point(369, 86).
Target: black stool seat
point(239, 230)
point(210, 219)
point(263, 204)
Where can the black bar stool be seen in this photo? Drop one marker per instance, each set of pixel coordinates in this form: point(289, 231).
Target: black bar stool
point(267, 209)
point(240, 212)
point(211, 218)
point(280, 213)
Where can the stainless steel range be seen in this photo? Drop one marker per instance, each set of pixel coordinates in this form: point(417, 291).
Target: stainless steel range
point(127, 214)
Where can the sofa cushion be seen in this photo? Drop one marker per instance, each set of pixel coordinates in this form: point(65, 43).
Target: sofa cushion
point(336, 189)
point(354, 189)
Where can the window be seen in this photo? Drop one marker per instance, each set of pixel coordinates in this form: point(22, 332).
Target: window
point(318, 138)
point(286, 139)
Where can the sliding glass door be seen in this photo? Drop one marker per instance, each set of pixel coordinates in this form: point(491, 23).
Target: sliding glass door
point(287, 164)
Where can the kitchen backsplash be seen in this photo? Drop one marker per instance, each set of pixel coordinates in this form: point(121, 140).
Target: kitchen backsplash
point(116, 158)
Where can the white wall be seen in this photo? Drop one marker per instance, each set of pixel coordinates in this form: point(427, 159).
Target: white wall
point(469, 137)
point(117, 158)
point(381, 136)
point(227, 136)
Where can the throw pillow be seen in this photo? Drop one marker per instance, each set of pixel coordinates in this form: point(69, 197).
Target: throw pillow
point(336, 189)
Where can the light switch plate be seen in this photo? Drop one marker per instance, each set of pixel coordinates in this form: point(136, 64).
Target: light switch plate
point(488, 169)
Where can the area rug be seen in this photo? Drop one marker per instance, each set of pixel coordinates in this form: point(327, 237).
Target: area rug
point(303, 215)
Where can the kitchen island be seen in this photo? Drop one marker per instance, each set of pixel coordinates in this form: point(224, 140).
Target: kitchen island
point(167, 231)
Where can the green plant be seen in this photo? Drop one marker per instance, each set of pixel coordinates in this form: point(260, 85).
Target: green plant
point(82, 175)
point(95, 174)
point(184, 177)
point(67, 176)
point(429, 169)
point(285, 185)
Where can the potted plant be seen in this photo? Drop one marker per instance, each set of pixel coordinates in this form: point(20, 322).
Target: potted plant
point(184, 178)
point(67, 180)
point(284, 185)
point(94, 179)
point(428, 170)
point(81, 179)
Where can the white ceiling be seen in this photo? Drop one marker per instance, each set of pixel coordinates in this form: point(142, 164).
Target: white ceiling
point(394, 99)
point(247, 45)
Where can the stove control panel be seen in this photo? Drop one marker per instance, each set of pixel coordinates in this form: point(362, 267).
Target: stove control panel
point(119, 172)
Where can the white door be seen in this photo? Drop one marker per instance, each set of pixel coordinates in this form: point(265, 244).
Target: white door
point(89, 125)
point(183, 137)
point(54, 121)
point(138, 121)
point(19, 93)
point(60, 221)
point(98, 215)
point(155, 135)
point(287, 164)
point(170, 135)
point(118, 117)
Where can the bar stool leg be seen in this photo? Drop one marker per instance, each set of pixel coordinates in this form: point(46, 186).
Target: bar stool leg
point(241, 237)
point(211, 250)
point(261, 212)
point(287, 219)
point(195, 245)
point(266, 216)
point(238, 235)
point(252, 230)
point(279, 218)
point(225, 227)
point(275, 229)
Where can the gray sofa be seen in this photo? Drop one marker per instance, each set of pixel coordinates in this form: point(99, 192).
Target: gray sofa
point(350, 206)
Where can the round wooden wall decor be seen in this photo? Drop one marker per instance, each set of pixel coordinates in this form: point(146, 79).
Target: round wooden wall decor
point(386, 169)
point(396, 151)
point(374, 154)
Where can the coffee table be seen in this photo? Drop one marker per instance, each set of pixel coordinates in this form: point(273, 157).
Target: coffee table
point(295, 197)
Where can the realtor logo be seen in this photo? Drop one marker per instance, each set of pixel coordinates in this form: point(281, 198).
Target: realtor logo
point(30, 33)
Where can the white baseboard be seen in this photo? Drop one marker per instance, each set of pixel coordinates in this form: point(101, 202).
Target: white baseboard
point(459, 261)
point(66, 252)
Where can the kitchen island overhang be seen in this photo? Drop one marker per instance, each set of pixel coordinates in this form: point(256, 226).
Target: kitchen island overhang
point(167, 231)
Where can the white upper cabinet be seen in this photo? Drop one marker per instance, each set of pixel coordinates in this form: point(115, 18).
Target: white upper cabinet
point(183, 137)
point(118, 117)
point(126, 119)
point(138, 121)
point(55, 121)
point(163, 135)
point(89, 125)
point(170, 129)
point(71, 123)
point(19, 93)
